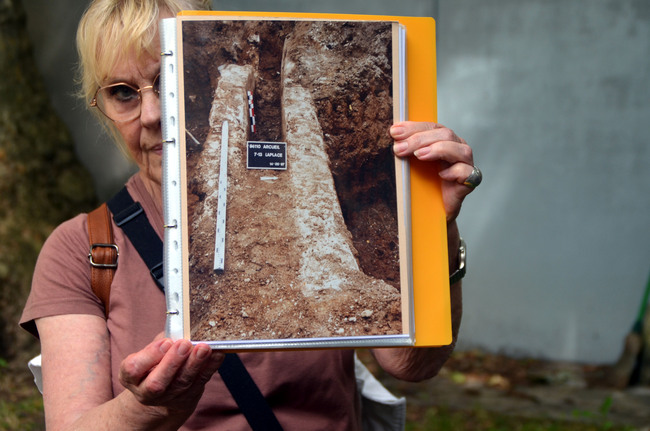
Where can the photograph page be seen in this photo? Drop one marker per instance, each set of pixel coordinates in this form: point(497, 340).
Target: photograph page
point(296, 229)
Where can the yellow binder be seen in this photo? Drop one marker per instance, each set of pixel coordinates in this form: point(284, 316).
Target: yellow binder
point(432, 313)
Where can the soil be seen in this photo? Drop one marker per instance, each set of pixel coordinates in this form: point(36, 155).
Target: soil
point(476, 381)
point(349, 79)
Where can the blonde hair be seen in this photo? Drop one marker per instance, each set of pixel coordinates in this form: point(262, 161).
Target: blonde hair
point(111, 30)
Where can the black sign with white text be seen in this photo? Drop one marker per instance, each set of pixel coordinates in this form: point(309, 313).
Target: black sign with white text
point(266, 155)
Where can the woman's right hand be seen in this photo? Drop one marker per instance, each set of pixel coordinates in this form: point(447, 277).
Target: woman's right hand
point(170, 374)
point(165, 379)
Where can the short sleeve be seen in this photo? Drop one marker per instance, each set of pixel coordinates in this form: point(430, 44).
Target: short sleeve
point(61, 282)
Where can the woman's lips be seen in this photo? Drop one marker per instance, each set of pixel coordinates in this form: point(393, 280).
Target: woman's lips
point(157, 149)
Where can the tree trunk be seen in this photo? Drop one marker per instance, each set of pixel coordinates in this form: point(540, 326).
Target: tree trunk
point(41, 181)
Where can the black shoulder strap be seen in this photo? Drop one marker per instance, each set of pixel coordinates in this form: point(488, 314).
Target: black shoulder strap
point(250, 400)
point(131, 218)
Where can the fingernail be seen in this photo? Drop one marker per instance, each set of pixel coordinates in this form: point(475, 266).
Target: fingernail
point(396, 131)
point(399, 147)
point(422, 151)
point(165, 346)
point(184, 348)
point(202, 352)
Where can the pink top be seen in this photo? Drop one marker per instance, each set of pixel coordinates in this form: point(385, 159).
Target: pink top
point(306, 389)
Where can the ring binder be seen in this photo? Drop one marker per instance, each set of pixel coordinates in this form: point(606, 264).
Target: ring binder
point(281, 238)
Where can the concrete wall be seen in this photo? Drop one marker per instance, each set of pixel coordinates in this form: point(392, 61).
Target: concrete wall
point(554, 96)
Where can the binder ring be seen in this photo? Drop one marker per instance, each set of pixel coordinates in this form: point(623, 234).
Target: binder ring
point(169, 141)
point(170, 226)
point(166, 53)
point(172, 312)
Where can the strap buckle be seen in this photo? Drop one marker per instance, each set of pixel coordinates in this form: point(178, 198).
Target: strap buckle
point(157, 274)
point(128, 214)
point(111, 265)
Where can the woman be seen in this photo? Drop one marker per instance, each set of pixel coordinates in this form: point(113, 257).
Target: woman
point(107, 373)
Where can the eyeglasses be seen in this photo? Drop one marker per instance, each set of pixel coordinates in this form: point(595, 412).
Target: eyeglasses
point(121, 102)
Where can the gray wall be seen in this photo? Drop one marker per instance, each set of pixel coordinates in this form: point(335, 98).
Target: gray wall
point(554, 96)
point(52, 26)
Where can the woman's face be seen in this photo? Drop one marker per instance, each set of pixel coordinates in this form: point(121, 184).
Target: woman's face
point(143, 136)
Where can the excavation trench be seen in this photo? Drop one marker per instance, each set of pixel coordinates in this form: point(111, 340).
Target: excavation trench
point(292, 267)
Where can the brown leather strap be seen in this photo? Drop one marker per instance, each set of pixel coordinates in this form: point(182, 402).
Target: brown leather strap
point(103, 254)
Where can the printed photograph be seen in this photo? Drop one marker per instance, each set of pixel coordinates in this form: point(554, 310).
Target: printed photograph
point(290, 179)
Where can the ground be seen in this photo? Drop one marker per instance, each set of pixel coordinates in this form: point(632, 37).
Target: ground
point(474, 391)
point(350, 81)
point(551, 394)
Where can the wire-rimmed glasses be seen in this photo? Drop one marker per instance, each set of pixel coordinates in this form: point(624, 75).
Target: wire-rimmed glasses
point(121, 102)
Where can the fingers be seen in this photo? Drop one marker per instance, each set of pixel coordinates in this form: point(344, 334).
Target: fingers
point(196, 365)
point(169, 371)
point(453, 189)
point(406, 128)
point(433, 142)
point(165, 371)
point(458, 173)
point(137, 366)
point(430, 142)
point(212, 360)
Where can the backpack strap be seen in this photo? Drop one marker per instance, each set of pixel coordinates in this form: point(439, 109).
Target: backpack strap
point(103, 254)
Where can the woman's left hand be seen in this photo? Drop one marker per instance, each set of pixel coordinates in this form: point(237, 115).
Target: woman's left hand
point(433, 142)
point(436, 143)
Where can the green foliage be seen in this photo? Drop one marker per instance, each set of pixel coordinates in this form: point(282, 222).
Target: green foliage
point(25, 415)
point(41, 181)
point(600, 417)
point(21, 405)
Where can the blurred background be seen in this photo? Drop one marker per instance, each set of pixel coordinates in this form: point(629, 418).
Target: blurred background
point(554, 97)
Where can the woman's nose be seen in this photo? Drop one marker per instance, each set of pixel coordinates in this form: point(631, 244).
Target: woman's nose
point(150, 108)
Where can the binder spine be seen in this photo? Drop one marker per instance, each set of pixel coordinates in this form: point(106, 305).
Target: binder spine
point(172, 257)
